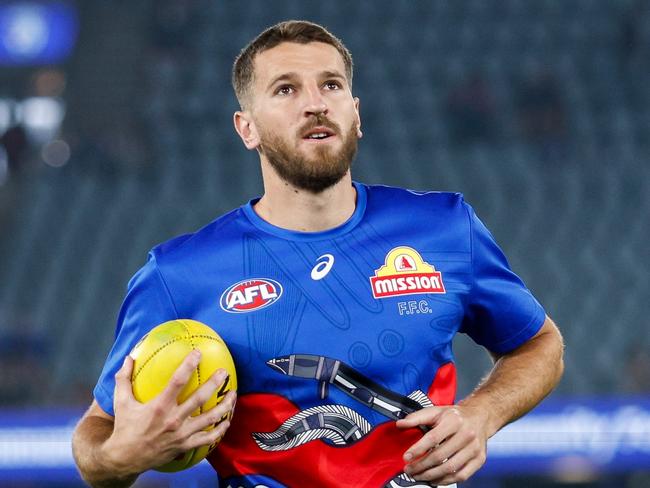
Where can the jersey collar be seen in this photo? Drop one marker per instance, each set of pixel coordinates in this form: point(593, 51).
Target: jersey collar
point(294, 235)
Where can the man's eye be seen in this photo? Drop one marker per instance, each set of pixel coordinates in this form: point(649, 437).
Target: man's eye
point(284, 90)
point(332, 85)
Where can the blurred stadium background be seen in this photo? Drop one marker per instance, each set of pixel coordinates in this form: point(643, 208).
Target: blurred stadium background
point(116, 134)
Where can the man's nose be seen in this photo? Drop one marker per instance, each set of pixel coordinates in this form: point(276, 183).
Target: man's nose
point(315, 102)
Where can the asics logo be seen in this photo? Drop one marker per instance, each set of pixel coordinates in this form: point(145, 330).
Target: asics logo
point(323, 266)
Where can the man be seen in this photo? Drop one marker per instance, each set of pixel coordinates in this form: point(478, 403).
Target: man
point(338, 301)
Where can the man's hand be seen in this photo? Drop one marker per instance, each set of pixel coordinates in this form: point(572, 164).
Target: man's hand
point(455, 447)
point(452, 450)
point(147, 435)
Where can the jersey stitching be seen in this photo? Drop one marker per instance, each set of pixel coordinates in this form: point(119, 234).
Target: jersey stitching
point(531, 322)
point(471, 248)
point(164, 283)
point(467, 301)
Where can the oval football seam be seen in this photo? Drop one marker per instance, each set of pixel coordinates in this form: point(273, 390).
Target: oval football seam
point(198, 366)
point(163, 346)
point(189, 336)
point(153, 354)
point(198, 373)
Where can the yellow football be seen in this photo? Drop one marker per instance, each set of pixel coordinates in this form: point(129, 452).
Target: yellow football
point(160, 352)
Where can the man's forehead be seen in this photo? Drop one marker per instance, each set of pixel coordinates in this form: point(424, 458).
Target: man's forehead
point(297, 58)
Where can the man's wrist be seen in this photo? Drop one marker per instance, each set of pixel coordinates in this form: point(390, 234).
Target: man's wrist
point(491, 421)
point(117, 461)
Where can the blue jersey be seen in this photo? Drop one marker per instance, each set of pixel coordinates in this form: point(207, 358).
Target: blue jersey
point(334, 334)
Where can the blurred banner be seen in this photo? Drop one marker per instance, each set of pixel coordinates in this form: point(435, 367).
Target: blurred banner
point(36, 33)
point(574, 438)
point(561, 438)
point(35, 447)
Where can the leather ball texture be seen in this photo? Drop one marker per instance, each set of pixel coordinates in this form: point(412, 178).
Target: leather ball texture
point(157, 356)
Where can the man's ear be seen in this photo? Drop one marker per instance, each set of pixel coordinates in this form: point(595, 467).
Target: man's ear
point(245, 127)
point(357, 104)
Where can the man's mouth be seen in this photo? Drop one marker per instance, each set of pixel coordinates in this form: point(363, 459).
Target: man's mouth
point(318, 134)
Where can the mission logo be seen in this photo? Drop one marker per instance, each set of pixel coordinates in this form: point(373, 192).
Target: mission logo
point(405, 273)
point(250, 295)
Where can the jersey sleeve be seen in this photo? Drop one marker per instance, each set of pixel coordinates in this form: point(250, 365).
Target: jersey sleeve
point(501, 313)
point(147, 304)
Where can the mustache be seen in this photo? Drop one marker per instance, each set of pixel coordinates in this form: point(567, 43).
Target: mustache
point(320, 121)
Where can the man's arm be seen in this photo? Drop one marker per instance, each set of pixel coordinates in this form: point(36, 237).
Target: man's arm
point(90, 435)
point(113, 452)
point(455, 447)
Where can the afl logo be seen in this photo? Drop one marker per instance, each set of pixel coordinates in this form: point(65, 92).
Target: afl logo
point(250, 295)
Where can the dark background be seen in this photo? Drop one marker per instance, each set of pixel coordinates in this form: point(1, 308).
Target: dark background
point(538, 111)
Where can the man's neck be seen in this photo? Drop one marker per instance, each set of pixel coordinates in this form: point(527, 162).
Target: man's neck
point(295, 209)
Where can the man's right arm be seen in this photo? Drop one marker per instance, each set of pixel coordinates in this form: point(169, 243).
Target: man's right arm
point(90, 436)
point(113, 452)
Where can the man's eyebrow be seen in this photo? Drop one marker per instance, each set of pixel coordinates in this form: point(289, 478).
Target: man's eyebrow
point(282, 77)
point(292, 76)
point(333, 74)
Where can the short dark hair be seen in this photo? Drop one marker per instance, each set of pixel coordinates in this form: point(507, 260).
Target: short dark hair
point(298, 31)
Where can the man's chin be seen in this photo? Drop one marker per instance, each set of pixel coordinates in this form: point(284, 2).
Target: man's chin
point(309, 166)
point(318, 151)
point(317, 184)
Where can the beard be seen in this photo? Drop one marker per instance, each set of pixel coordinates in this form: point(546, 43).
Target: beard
point(311, 173)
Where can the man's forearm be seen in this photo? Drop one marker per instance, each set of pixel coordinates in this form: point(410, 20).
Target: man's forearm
point(88, 439)
point(520, 379)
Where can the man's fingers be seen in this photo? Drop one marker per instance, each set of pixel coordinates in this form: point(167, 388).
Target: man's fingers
point(216, 414)
point(451, 446)
point(203, 393)
point(449, 469)
point(207, 437)
point(439, 454)
point(452, 451)
point(180, 377)
point(464, 473)
point(123, 388)
point(429, 441)
point(426, 416)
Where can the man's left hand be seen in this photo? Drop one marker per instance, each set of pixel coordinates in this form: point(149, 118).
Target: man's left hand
point(453, 450)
